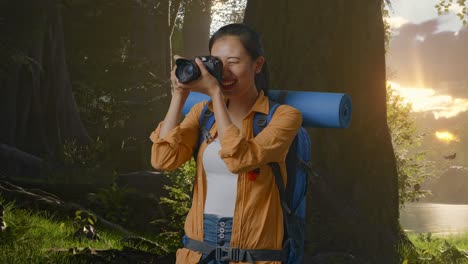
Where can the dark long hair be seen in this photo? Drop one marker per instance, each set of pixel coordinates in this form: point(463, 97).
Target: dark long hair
point(252, 43)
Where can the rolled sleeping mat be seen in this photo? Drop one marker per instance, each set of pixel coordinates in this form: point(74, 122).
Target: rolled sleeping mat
point(319, 109)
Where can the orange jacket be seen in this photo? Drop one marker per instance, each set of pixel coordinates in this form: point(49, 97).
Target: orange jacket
point(258, 219)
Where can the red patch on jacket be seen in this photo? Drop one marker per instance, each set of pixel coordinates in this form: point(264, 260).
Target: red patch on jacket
point(252, 175)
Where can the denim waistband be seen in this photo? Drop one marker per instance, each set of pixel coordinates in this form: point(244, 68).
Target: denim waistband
point(217, 232)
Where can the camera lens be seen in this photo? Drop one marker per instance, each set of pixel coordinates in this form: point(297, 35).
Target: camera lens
point(186, 70)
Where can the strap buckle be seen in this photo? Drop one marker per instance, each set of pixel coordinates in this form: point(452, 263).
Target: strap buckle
point(208, 112)
point(206, 135)
point(227, 254)
point(262, 121)
point(234, 254)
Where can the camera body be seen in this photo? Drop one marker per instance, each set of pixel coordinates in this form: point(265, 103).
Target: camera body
point(188, 70)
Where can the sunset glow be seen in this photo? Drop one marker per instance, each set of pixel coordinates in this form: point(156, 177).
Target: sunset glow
point(396, 22)
point(446, 136)
point(427, 100)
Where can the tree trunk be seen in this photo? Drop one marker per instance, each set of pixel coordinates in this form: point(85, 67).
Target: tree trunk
point(338, 46)
point(151, 34)
point(196, 28)
point(39, 112)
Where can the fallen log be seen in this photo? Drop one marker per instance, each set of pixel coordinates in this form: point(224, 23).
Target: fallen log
point(43, 201)
point(114, 256)
point(17, 163)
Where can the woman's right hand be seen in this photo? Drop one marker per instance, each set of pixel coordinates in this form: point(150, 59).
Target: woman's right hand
point(180, 93)
point(178, 89)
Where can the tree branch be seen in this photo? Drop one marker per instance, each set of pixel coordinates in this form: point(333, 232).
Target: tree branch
point(173, 15)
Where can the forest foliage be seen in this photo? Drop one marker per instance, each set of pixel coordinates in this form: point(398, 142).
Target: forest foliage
point(122, 91)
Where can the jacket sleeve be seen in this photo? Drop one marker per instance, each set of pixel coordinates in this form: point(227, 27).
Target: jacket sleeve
point(177, 146)
point(271, 145)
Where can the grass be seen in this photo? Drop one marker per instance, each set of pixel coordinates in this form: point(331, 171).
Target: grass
point(427, 241)
point(36, 238)
point(437, 249)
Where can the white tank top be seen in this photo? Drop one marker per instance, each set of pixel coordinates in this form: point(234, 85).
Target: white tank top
point(221, 184)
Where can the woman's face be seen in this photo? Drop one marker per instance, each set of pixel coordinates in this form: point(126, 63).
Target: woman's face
point(238, 67)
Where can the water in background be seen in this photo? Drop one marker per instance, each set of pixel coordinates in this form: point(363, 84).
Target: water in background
point(440, 219)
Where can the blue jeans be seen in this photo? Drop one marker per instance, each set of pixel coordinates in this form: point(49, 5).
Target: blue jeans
point(217, 232)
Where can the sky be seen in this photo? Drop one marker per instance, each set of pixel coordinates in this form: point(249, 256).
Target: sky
point(427, 58)
point(418, 11)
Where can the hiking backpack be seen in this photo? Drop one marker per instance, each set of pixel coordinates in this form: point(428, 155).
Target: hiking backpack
point(293, 195)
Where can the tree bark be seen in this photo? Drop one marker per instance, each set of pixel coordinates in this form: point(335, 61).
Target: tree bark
point(196, 28)
point(39, 112)
point(151, 34)
point(338, 46)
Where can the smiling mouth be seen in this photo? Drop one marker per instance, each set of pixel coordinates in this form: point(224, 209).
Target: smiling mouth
point(229, 84)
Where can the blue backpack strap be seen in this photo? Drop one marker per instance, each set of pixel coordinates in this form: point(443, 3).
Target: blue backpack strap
point(292, 196)
point(205, 122)
point(260, 122)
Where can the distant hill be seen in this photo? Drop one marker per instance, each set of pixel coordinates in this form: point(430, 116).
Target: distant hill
point(451, 187)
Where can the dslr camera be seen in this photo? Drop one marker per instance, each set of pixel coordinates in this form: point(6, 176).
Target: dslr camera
point(188, 70)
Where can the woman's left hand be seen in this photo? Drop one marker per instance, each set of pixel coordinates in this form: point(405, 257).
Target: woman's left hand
point(206, 84)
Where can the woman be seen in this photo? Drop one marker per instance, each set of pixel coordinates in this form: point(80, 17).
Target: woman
point(235, 203)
